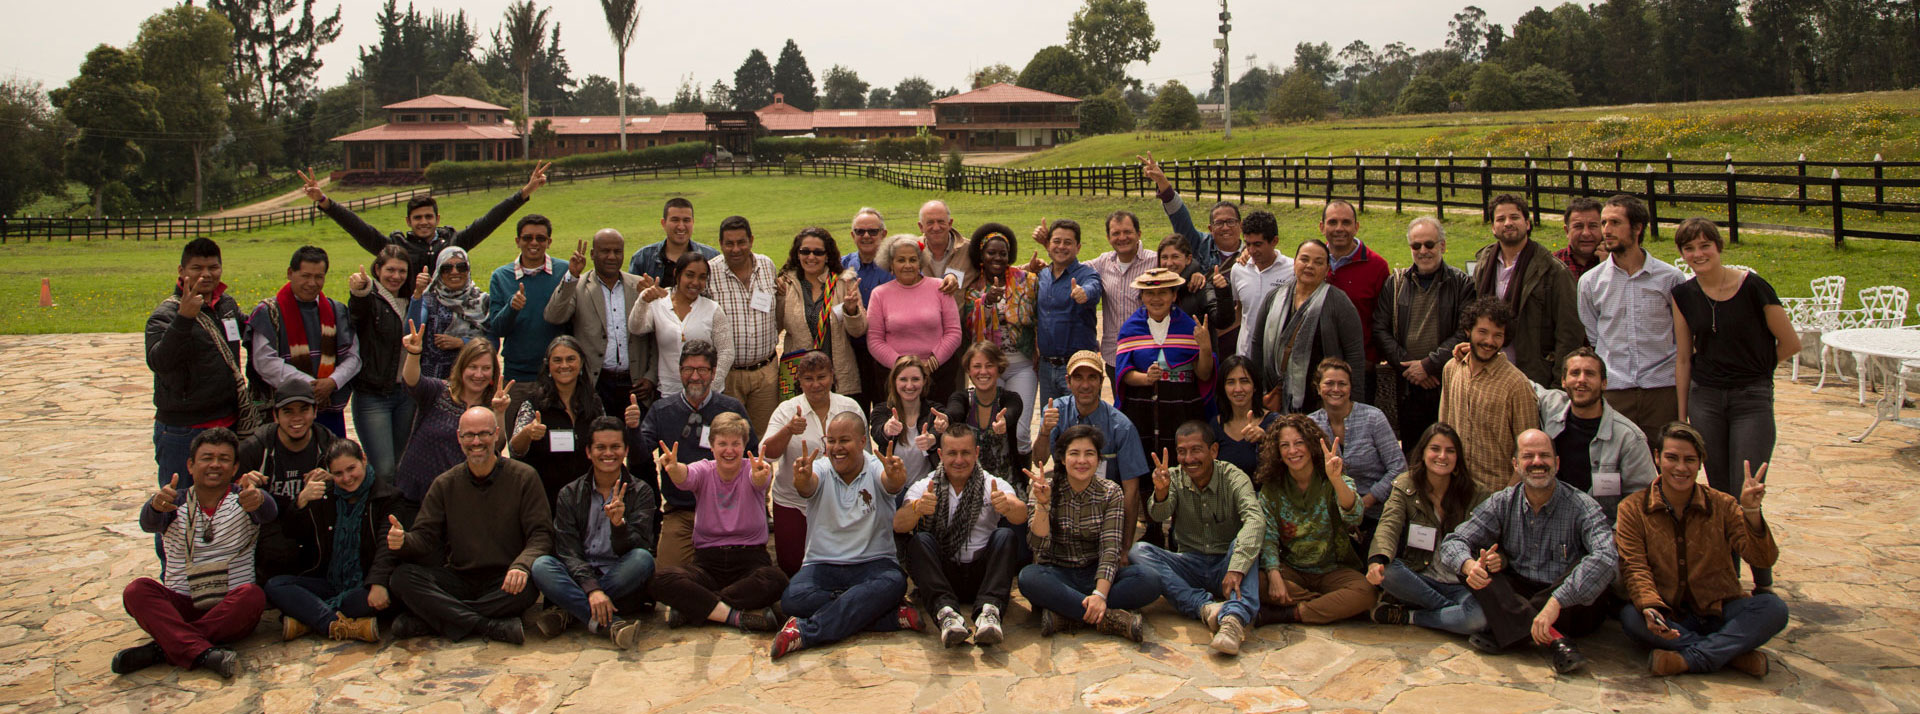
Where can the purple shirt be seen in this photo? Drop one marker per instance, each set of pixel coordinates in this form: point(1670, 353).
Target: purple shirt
point(726, 512)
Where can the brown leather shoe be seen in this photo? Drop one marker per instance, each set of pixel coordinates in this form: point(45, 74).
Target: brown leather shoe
point(291, 629)
point(1752, 662)
point(1666, 663)
point(364, 629)
point(1124, 624)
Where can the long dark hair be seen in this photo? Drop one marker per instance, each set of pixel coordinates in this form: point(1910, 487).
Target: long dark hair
point(1253, 373)
point(793, 252)
point(1273, 469)
point(585, 403)
point(1460, 486)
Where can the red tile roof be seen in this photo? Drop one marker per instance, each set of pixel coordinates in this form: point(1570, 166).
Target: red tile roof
point(442, 101)
point(426, 131)
point(1004, 93)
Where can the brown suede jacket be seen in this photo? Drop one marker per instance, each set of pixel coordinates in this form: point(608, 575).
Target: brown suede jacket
point(1672, 563)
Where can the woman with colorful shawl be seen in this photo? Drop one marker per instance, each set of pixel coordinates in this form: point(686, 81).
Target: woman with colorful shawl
point(1164, 361)
point(997, 306)
point(819, 310)
point(453, 310)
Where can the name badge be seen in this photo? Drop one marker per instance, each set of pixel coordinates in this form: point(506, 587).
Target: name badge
point(705, 441)
point(761, 301)
point(560, 441)
point(1605, 483)
point(1423, 537)
point(1102, 471)
point(233, 329)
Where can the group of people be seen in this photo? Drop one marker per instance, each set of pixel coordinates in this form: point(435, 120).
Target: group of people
point(1510, 453)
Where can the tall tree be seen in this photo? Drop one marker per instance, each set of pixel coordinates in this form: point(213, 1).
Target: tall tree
point(1467, 33)
point(1107, 35)
point(30, 167)
point(1783, 47)
point(1700, 49)
point(752, 83)
point(1625, 28)
point(688, 97)
point(994, 74)
point(843, 89)
point(879, 97)
point(1173, 108)
point(1055, 69)
point(109, 103)
point(184, 55)
point(720, 97)
point(1299, 97)
point(599, 96)
point(275, 60)
point(913, 93)
point(623, 17)
point(1316, 60)
point(792, 78)
point(526, 28)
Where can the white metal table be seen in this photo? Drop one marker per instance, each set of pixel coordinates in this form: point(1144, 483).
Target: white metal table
point(1892, 347)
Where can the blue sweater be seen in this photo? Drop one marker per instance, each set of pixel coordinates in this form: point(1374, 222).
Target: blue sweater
point(523, 333)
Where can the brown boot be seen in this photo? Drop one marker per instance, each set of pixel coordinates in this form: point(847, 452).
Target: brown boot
point(364, 629)
point(1752, 662)
point(291, 629)
point(1124, 624)
point(1666, 663)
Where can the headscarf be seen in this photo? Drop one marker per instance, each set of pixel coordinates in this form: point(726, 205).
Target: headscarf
point(468, 305)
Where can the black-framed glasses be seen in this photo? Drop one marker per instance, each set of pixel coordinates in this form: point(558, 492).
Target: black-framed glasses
point(692, 427)
point(535, 236)
point(1424, 245)
point(1224, 222)
point(822, 252)
point(455, 268)
point(868, 231)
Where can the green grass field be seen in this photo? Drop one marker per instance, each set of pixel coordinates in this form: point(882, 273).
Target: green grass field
point(111, 286)
point(1850, 127)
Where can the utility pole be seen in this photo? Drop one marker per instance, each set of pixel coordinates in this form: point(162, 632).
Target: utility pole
point(1226, 72)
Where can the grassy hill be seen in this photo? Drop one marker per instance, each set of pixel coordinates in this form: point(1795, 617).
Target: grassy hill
point(1831, 127)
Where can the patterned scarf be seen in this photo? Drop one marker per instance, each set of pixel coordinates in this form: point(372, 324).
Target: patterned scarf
point(467, 305)
point(344, 573)
point(1138, 352)
point(1288, 359)
point(299, 344)
point(953, 531)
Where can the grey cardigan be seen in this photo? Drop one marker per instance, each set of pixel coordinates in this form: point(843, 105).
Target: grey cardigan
point(1340, 334)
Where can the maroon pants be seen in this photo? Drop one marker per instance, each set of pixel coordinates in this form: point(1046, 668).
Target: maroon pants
point(184, 632)
point(789, 538)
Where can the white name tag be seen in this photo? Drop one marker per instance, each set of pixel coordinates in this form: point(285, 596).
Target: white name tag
point(1605, 483)
point(1422, 537)
point(233, 329)
point(705, 442)
point(761, 301)
point(1102, 472)
point(560, 441)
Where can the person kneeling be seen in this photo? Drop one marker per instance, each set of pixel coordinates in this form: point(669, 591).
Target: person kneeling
point(1689, 605)
point(851, 579)
point(471, 548)
point(730, 578)
point(1218, 527)
point(955, 542)
point(205, 595)
point(603, 537)
point(341, 596)
point(1073, 525)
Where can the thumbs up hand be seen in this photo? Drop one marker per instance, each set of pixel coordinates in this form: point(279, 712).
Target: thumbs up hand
point(358, 283)
point(535, 430)
point(396, 536)
point(999, 425)
point(251, 497)
point(633, 411)
point(893, 427)
point(1034, 264)
point(519, 299)
point(421, 281)
point(314, 489)
point(1040, 236)
point(1004, 503)
point(1079, 294)
point(166, 500)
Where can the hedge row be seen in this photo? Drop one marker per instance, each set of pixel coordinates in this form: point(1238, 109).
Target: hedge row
point(916, 148)
point(445, 174)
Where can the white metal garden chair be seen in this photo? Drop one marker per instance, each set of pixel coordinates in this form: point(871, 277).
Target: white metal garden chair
point(1881, 306)
point(1803, 311)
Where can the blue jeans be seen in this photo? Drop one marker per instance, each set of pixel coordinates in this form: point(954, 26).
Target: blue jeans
point(1061, 589)
point(1191, 580)
point(303, 598)
point(1448, 607)
point(627, 578)
point(171, 451)
point(835, 601)
point(383, 423)
point(1708, 643)
point(1053, 381)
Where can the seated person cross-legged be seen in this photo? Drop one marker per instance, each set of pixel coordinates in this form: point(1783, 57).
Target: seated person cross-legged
point(1689, 606)
point(1312, 574)
point(341, 595)
point(1073, 526)
point(602, 543)
point(955, 546)
point(1428, 501)
point(1217, 526)
point(851, 580)
point(1539, 558)
point(730, 578)
point(467, 558)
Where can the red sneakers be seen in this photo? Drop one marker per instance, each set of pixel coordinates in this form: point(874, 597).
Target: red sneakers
point(909, 618)
point(787, 641)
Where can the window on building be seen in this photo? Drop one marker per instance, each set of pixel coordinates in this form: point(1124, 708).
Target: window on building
point(562, 143)
point(466, 151)
point(441, 118)
point(406, 118)
point(593, 144)
point(430, 153)
point(466, 117)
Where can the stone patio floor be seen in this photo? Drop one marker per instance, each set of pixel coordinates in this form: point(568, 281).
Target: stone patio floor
point(75, 441)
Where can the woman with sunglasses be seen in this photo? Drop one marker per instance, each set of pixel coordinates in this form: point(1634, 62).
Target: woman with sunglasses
point(453, 309)
point(819, 310)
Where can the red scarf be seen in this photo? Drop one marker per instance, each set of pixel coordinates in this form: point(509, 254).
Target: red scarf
point(299, 351)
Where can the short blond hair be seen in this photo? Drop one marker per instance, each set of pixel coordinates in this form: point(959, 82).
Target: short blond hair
point(729, 423)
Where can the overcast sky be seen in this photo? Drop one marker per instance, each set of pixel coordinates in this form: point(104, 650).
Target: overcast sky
point(883, 40)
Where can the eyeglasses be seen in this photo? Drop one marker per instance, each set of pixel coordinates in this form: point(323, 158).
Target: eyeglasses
point(868, 231)
point(811, 251)
point(1424, 245)
point(474, 435)
point(1224, 222)
point(455, 268)
point(692, 426)
point(535, 237)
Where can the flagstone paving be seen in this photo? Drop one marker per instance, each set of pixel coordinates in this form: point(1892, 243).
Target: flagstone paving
point(76, 462)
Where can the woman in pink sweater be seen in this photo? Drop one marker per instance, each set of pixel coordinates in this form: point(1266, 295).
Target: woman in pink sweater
point(910, 316)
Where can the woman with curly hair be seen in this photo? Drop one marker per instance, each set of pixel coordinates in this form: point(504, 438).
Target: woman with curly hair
point(1312, 573)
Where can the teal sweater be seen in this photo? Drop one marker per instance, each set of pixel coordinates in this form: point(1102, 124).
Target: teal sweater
point(523, 334)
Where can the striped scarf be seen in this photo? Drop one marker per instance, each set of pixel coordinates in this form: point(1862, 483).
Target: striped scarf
point(299, 346)
point(1138, 352)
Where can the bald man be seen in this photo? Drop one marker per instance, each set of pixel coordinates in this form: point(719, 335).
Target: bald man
point(943, 252)
point(596, 306)
point(1539, 557)
point(468, 556)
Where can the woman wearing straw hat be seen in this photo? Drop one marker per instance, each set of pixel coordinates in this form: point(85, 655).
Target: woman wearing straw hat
point(1164, 362)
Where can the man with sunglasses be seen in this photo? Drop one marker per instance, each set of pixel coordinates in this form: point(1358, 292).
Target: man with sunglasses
point(1415, 324)
point(424, 237)
point(867, 229)
point(682, 420)
point(517, 297)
